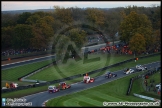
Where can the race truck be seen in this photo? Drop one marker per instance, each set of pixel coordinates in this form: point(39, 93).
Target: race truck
point(140, 68)
point(90, 81)
point(11, 85)
point(158, 86)
point(53, 89)
point(128, 71)
point(63, 85)
point(87, 79)
point(110, 75)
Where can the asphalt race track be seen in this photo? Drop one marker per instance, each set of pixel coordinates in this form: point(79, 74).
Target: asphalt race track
point(17, 64)
point(13, 65)
point(39, 98)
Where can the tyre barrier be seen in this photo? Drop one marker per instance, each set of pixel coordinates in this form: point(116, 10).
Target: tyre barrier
point(149, 72)
point(73, 77)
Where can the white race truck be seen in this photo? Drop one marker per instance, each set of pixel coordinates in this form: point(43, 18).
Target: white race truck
point(140, 68)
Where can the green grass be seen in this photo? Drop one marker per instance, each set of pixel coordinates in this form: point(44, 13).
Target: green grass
point(43, 88)
point(114, 91)
point(74, 68)
point(12, 75)
point(140, 89)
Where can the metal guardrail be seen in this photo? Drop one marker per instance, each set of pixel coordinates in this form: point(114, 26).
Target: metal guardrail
point(146, 97)
point(35, 81)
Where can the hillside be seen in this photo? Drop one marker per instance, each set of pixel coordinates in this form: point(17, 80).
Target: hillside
point(21, 11)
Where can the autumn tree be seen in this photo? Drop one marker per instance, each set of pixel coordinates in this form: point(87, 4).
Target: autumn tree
point(157, 39)
point(112, 24)
point(73, 40)
point(129, 9)
point(38, 41)
point(63, 14)
point(57, 25)
point(95, 16)
point(77, 13)
point(32, 19)
point(42, 31)
point(137, 43)
point(136, 23)
point(154, 15)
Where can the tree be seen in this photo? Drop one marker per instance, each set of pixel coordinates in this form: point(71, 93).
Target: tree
point(95, 16)
point(32, 19)
point(129, 9)
point(8, 20)
point(157, 39)
point(112, 24)
point(63, 14)
point(23, 17)
point(57, 25)
point(21, 36)
point(38, 41)
point(6, 37)
point(137, 43)
point(42, 28)
point(77, 13)
point(135, 23)
point(41, 14)
point(157, 36)
point(73, 40)
point(45, 25)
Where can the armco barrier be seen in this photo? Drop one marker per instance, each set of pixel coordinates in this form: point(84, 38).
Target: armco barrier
point(149, 72)
point(146, 97)
point(29, 80)
point(80, 75)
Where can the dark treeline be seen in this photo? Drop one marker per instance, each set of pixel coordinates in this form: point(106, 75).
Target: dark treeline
point(29, 32)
